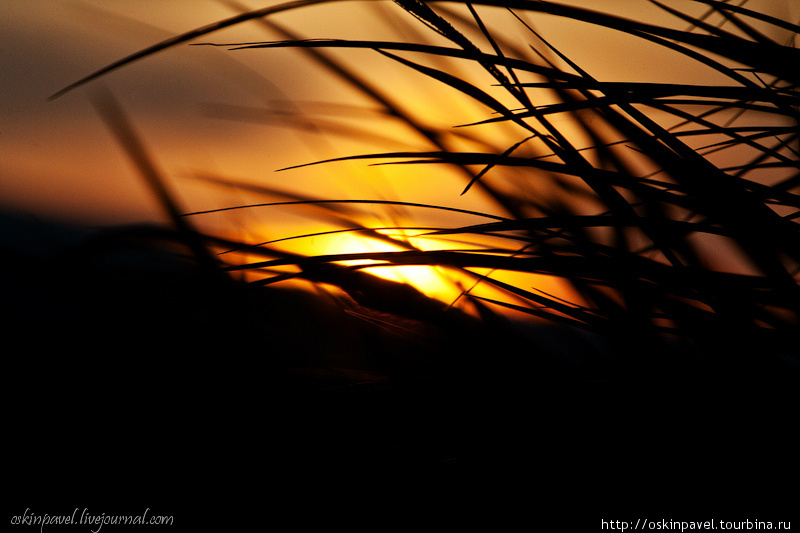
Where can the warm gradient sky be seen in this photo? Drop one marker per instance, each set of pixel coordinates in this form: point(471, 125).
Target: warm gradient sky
point(205, 110)
point(57, 158)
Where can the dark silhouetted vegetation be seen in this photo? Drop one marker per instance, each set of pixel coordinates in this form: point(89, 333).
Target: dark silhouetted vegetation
point(667, 208)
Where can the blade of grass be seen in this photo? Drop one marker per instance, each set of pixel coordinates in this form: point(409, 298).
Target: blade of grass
point(115, 119)
point(184, 37)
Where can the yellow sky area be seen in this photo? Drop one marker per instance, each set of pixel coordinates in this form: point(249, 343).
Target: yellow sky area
point(448, 284)
point(237, 117)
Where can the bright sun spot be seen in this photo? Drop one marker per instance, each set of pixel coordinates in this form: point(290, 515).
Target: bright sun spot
point(432, 281)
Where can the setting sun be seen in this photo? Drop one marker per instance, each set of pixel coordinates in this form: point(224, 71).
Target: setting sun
point(331, 262)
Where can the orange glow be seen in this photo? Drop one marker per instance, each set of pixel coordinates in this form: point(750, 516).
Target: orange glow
point(238, 116)
point(429, 280)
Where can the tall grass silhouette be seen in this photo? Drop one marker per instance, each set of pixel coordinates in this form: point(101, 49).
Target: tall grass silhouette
point(666, 211)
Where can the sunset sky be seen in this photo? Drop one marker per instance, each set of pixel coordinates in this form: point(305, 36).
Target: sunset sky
point(58, 159)
point(205, 110)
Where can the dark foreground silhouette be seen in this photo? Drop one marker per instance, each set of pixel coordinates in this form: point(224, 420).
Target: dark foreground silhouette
point(134, 380)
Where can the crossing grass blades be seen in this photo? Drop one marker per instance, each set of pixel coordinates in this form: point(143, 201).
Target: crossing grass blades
point(670, 207)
